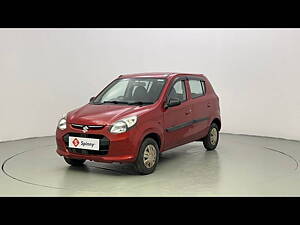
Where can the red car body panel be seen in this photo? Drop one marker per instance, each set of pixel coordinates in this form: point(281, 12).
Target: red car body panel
point(154, 119)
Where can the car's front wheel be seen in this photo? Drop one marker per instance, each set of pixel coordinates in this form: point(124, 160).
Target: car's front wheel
point(148, 157)
point(210, 142)
point(74, 162)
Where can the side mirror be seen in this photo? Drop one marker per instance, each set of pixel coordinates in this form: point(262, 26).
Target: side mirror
point(92, 99)
point(173, 102)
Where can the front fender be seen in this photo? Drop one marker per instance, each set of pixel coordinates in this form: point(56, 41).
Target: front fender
point(153, 130)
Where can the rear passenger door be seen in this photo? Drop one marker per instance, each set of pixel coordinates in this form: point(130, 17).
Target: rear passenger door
point(199, 106)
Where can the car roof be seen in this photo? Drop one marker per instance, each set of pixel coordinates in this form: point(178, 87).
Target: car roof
point(157, 74)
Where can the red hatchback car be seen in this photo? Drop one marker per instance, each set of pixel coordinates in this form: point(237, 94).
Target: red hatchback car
point(138, 116)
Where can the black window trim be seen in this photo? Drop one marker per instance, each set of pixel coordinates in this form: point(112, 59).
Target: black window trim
point(202, 81)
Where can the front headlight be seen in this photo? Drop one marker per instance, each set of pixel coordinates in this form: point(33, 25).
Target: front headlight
point(123, 125)
point(62, 124)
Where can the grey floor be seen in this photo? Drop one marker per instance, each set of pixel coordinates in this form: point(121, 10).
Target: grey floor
point(241, 166)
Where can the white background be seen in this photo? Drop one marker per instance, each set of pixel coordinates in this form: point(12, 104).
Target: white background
point(47, 72)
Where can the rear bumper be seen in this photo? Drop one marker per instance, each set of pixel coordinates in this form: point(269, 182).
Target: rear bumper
point(122, 148)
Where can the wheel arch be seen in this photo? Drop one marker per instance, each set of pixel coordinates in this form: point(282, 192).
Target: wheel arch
point(156, 137)
point(218, 122)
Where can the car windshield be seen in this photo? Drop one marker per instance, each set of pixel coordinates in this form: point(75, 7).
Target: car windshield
point(135, 91)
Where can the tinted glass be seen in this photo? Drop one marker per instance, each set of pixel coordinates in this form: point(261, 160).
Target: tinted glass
point(196, 88)
point(178, 90)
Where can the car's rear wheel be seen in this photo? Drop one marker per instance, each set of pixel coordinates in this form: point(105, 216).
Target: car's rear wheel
point(148, 157)
point(74, 162)
point(210, 142)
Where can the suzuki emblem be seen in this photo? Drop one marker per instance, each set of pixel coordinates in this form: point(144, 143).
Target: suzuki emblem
point(85, 129)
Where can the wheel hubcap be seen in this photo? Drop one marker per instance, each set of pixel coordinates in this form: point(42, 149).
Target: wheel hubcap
point(213, 136)
point(149, 156)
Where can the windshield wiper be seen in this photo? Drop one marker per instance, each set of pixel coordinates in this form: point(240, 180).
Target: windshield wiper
point(129, 103)
point(139, 103)
point(116, 102)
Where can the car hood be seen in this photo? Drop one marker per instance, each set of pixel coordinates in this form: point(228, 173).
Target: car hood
point(102, 114)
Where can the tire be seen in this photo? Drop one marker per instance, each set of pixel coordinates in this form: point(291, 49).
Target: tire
point(210, 142)
point(142, 165)
point(74, 162)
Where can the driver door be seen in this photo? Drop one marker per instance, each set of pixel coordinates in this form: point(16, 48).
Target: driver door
point(178, 119)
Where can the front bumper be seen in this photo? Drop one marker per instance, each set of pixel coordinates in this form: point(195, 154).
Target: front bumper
point(122, 147)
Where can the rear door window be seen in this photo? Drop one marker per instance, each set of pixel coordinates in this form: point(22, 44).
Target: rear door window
point(197, 87)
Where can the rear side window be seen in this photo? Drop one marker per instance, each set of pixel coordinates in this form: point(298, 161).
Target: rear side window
point(197, 88)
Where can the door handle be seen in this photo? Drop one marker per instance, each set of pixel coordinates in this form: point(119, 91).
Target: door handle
point(188, 112)
point(208, 105)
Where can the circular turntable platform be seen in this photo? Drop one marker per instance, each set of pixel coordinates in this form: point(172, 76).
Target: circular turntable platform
point(241, 166)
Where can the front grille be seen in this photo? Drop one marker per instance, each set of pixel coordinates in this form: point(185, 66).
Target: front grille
point(90, 127)
point(103, 144)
